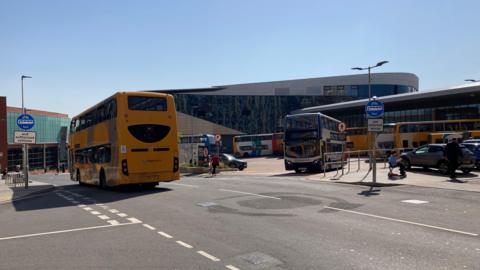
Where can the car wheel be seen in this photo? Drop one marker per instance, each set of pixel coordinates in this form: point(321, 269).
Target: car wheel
point(241, 168)
point(443, 167)
point(246, 155)
point(297, 171)
point(466, 171)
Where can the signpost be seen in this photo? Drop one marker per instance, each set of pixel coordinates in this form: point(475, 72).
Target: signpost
point(25, 122)
point(374, 110)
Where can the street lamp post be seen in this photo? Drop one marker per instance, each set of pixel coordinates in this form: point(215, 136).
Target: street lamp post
point(24, 146)
point(372, 144)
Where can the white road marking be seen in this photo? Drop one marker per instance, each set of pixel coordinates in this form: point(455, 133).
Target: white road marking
point(183, 185)
point(247, 193)
point(113, 222)
point(104, 217)
point(81, 205)
point(134, 220)
point(415, 201)
point(211, 257)
point(402, 221)
point(74, 201)
point(184, 244)
point(122, 215)
point(98, 204)
point(113, 211)
point(148, 227)
point(104, 206)
point(63, 231)
point(87, 208)
point(231, 267)
point(166, 235)
point(95, 213)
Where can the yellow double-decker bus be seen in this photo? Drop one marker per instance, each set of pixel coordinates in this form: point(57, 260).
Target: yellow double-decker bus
point(129, 138)
point(414, 134)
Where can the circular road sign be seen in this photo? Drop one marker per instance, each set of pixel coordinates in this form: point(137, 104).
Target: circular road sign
point(25, 121)
point(218, 137)
point(342, 127)
point(374, 108)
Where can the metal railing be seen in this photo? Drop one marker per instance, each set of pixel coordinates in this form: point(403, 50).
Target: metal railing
point(14, 179)
point(347, 158)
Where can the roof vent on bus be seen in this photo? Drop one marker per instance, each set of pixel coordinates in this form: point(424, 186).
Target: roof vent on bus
point(149, 133)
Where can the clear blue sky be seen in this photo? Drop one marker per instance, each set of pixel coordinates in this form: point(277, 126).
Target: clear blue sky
point(80, 52)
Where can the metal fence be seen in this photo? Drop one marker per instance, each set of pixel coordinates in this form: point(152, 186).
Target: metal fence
point(14, 179)
point(348, 161)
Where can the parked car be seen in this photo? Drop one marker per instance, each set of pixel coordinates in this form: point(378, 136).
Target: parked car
point(472, 141)
point(475, 149)
point(431, 156)
point(233, 162)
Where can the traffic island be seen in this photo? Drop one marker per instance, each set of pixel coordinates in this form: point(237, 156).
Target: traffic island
point(9, 193)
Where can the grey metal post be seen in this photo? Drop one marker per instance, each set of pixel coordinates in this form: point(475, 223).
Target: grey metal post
point(44, 158)
point(24, 148)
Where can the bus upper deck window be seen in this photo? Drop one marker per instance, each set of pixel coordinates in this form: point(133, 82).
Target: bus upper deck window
point(139, 103)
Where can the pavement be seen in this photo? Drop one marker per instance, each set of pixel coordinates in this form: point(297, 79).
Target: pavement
point(358, 173)
point(241, 222)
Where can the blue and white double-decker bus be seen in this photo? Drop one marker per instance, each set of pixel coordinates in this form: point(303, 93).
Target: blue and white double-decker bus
point(195, 148)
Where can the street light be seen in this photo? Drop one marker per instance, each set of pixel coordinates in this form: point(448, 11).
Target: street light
point(24, 146)
point(381, 63)
point(373, 161)
point(472, 80)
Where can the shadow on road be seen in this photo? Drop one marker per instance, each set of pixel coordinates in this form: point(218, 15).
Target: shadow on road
point(95, 195)
point(372, 191)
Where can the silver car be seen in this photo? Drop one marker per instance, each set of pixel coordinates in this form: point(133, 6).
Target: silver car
point(431, 156)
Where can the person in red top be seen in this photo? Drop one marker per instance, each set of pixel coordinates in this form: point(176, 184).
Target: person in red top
point(215, 163)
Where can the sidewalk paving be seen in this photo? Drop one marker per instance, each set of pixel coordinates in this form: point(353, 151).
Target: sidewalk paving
point(416, 176)
point(9, 194)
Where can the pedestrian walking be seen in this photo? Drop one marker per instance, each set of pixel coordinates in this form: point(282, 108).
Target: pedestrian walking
point(452, 153)
point(215, 163)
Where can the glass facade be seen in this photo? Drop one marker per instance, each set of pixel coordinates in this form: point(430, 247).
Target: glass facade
point(265, 114)
point(47, 128)
point(50, 148)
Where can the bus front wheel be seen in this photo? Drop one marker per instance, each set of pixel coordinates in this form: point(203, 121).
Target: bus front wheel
point(79, 179)
point(103, 179)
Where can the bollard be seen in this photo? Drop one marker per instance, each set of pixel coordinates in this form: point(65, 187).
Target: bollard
point(324, 166)
point(358, 159)
point(348, 163)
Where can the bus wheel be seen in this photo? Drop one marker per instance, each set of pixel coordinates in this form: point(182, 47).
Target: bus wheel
point(103, 180)
point(79, 179)
point(245, 155)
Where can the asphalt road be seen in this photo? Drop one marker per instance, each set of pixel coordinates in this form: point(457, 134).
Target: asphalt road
point(241, 222)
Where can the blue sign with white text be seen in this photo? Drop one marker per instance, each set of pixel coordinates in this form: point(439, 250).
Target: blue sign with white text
point(374, 109)
point(25, 121)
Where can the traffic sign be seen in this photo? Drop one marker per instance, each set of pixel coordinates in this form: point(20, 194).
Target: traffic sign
point(218, 137)
point(24, 137)
point(375, 124)
point(25, 121)
point(374, 109)
point(342, 127)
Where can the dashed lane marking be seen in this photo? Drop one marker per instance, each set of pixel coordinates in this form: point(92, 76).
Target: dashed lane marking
point(211, 257)
point(104, 217)
point(231, 267)
point(184, 244)
point(95, 213)
point(166, 235)
point(248, 193)
point(87, 208)
point(113, 211)
point(148, 227)
point(415, 201)
point(122, 215)
point(104, 206)
point(402, 221)
point(134, 220)
point(81, 205)
point(63, 231)
point(113, 222)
